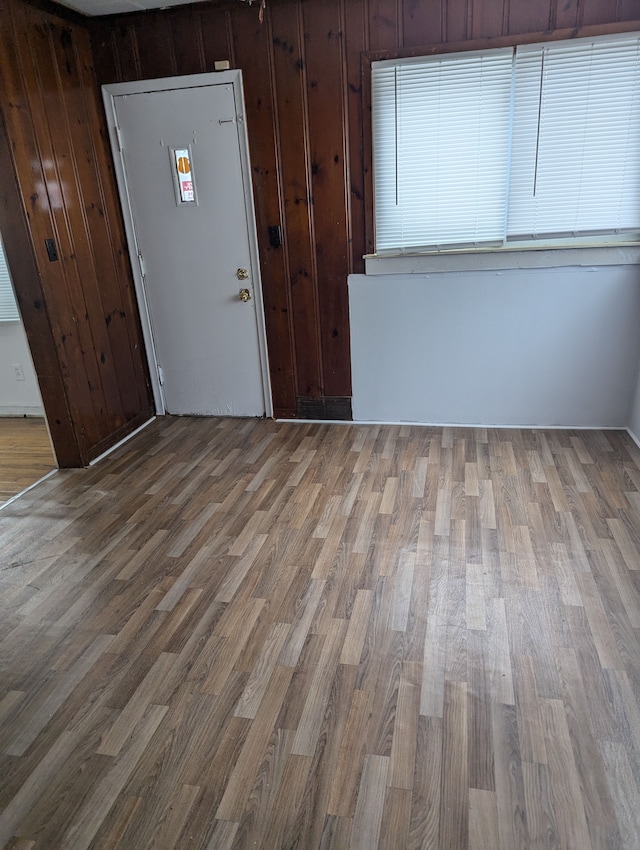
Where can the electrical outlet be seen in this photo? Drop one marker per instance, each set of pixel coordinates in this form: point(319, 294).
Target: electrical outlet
point(18, 372)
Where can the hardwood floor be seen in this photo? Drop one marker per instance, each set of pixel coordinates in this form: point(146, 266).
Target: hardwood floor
point(25, 454)
point(245, 634)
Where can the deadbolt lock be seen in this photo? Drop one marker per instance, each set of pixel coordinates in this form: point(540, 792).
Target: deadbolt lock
point(245, 295)
point(242, 274)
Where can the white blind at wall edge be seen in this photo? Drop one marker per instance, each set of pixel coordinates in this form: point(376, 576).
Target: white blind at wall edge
point(577, 171)
point(8, 308)
point(441, 149)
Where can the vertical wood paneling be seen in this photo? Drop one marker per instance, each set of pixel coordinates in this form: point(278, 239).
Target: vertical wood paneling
point(458, 20)
point(253, 53)
point(154, 41)
point(214, 36)
point(383, 25)
point(105, 52)
point(50, 103)
point(596, 12)
point(129, 60)
point(487, 18)
point(90, 240)
point(86, 252)
point(293, 142)
point(37, 167)
point(423, 22)
point(188, 47)
point(108, 243)
point(356, 43)
point(628, 10)
point(529, 17)
point(325, 82)
point(17, 245)
point(567, 13)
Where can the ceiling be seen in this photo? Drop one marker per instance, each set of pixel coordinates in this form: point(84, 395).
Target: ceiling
point(117, 7)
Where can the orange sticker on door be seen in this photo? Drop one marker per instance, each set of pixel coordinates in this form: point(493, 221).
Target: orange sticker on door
point(185, 177)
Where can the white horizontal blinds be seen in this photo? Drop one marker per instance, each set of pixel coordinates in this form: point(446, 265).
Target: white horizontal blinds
point(388, 214)
point(576, 138)
point(441, 149)
point(8, 308)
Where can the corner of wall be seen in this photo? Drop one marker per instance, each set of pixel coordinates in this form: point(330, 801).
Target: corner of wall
point(633, 426)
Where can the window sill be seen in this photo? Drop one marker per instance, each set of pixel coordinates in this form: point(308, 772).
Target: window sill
point(497, 259)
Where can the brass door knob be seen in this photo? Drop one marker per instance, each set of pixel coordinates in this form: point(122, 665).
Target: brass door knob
point(245, 295)
point(242, 274)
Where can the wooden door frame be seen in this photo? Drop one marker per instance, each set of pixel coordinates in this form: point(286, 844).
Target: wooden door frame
point(109, 93)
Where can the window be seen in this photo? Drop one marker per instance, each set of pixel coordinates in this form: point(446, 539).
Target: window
point(526, 145)
point(8, 307)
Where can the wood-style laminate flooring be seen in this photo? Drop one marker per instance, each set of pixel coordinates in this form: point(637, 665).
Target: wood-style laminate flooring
point(247, 634)
point(25, 454)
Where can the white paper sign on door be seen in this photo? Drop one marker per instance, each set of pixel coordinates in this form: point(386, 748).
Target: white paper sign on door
point(185, 177)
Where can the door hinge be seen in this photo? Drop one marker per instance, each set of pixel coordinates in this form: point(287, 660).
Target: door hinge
point(160, 375)
point(143, 270)
point(119, 137)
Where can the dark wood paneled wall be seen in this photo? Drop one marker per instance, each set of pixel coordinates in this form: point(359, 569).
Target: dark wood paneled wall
point(79, 312)
point(302, 75)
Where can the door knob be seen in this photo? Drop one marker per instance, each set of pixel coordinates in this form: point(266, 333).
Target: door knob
point(242, 274)
point(245, 295)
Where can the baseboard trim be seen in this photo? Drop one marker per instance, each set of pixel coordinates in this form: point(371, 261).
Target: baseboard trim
point(26, 489)
point(121, 442)
point(460, 425)
point(16, 412)
point(633, 437)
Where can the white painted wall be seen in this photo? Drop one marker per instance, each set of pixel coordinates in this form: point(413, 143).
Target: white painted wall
point(17, 398)
point(555, 346)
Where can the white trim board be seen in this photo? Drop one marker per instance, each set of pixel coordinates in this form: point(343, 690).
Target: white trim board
point(633, 437)
point(476, 426)
point(26, 489)
point(121, 442)
point(494, 427)
point(503, 260)
point(19, 411)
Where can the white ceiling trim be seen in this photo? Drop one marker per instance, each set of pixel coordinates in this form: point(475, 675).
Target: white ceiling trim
point(93, 8)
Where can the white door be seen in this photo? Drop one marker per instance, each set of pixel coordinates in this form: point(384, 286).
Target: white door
point(192, 222)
